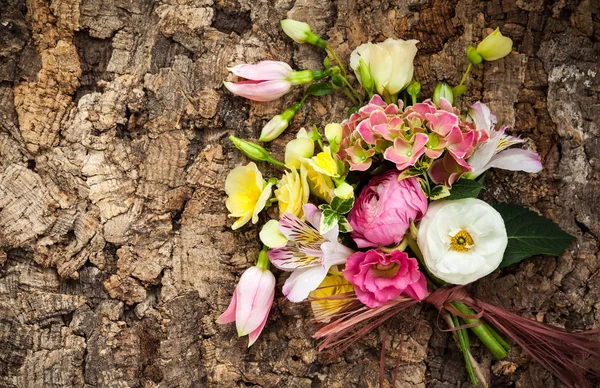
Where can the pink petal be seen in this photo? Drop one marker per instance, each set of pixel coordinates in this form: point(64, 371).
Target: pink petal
point(364, 128)
point(442, 122)
point(229, 315)
point(417, 290)
point(253, 335)
point(259, 91)
point(263, 71)
point(254, 299)
point(377, 117)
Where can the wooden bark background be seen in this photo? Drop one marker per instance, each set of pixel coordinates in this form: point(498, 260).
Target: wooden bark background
point(116, 254)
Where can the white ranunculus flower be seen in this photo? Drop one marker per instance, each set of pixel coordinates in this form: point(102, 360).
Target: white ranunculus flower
point(390, 63)
point(462, 240)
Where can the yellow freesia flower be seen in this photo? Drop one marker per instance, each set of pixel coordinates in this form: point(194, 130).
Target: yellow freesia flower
point(325, 163)
point(320, 185)
point(292, 192)
point(248, 194)
point(326, 300)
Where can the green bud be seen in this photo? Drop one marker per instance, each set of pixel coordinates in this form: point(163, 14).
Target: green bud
point(300, 32)
point(278, 124)
point(494, 46)
point(443, 90)
point(414, 89)
point(459, 90)
point(254, 151)
point(333, 133)
point(344, 191)
point(473, 55)
point(366, 79)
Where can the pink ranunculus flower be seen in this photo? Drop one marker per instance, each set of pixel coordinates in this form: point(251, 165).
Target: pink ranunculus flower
point(379, 277)
point(251, 303)
point(384, 209)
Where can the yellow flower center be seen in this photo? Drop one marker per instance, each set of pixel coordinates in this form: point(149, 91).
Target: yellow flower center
point(462, 241)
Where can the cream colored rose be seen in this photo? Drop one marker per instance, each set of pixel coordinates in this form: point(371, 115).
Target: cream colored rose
point(390, 63)
point(462, 240)
point(292, 192)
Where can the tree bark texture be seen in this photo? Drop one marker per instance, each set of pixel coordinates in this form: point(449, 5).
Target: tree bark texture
point(116, 254)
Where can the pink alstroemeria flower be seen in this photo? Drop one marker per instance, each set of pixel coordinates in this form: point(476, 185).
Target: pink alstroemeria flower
point(494, 153)
point(307, 254)
point(268, 80)
point(251, 302)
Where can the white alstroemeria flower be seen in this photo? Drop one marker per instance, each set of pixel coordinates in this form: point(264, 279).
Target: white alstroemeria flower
point(390, 63)
point(462, 240)
point(307, 254)
point(494, 153)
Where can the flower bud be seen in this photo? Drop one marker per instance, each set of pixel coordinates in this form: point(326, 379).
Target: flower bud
point(365, 77)
point(473, 55)
point(344, 191)
point(271, 236)
point(333, 133)
point(254, 151)
point(278, 124)
point(298, 149)
point(494, 46)
point(300, 32)
point(459, 90)
point(443, 90)
point(413, 90)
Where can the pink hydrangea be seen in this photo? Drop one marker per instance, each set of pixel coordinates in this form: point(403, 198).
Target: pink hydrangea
point(423, 130)
point(379, 277)
point(384, 209)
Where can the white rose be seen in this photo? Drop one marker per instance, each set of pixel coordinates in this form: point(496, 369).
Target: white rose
point(462, 240)
point(390, 63)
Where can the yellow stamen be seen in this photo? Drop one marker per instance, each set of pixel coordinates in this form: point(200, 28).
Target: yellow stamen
point(462, 241)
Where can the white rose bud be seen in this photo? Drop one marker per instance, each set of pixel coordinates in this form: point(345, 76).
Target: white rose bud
point(390, 64)
point(462, 240)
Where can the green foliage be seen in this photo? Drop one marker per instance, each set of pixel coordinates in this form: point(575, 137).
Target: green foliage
point(530, 234)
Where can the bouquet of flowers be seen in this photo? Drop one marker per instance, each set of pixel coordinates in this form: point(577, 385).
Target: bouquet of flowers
point(380, 212)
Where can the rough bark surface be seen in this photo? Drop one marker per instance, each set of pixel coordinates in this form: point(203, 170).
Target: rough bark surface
point(115, 251)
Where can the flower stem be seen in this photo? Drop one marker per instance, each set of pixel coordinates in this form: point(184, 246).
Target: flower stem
point(464, 77)
point(263, 259)
point(330, 51)
point(482, 332)
point(461, 338)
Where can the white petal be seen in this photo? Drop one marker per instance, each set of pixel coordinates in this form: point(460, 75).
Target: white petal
point(302, 282)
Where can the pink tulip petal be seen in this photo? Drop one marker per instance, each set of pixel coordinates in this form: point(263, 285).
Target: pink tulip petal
point(259, 91)
point(253, 299)
point(263, 71)
point(229, 315)
point(253, 335)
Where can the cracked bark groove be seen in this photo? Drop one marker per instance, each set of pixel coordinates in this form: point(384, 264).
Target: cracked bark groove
point(115, 252)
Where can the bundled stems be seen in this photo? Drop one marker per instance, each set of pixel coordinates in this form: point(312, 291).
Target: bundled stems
point(483, 333)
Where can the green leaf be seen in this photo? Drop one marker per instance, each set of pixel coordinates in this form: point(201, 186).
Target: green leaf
point(465, 188)
point(530, 234)
point(409, 172)
point(344, 225)
point(320, 89)
point(439, 192)
point(328, 221)
point(342, 206)
point(352, 110)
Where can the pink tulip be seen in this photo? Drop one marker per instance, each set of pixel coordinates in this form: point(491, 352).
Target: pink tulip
point(379, 277)
point(251, 302)
point(268, 80)
point(384, 209)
